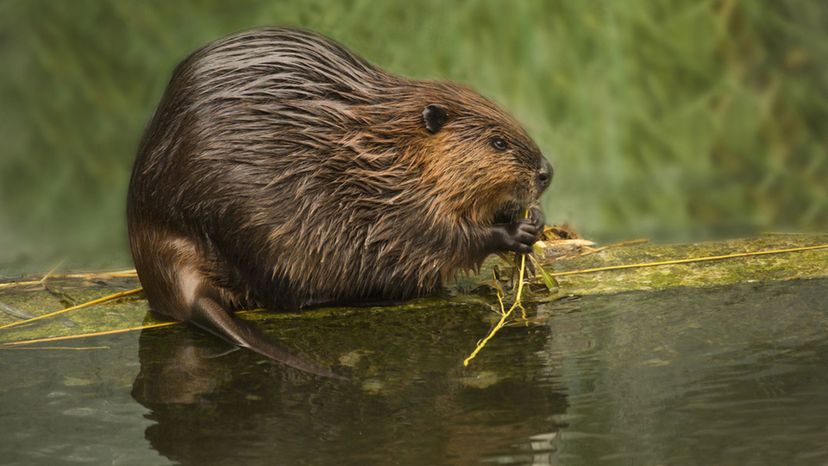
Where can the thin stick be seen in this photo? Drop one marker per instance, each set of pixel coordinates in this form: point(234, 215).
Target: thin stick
point(629, 242)
point(50, 272)
point(503, 315)
point(74, 308)
point(21, 283)
point(128, 273)
point(107, 332)
point(64, 348)
point(88, 335)
point(688, 261)
point(619, 244)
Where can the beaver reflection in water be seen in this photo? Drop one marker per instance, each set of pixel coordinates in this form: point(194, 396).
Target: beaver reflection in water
point(281, 171)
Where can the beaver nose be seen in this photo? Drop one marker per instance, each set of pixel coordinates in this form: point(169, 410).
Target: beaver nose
point(544, 174)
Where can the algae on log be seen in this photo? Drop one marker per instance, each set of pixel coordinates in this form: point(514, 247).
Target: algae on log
point(474, 289)
point(760, 268)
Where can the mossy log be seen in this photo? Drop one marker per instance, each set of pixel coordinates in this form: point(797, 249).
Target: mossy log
point(475, 289)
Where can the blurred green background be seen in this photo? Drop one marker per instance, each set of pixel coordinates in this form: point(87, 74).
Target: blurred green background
point(673, 120)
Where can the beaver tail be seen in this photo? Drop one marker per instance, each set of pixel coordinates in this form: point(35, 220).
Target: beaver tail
point(171, 273)
point(209, 315)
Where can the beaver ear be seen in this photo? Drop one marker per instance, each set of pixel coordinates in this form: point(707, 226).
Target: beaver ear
point(434, 117)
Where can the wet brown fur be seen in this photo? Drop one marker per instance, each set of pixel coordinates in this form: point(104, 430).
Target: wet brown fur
point(280, 170)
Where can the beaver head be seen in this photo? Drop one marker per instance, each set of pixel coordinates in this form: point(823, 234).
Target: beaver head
point(477, 162)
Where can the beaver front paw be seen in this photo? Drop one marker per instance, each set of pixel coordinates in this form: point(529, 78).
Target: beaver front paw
point(518, 236)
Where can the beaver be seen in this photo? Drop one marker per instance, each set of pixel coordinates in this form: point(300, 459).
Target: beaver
point(282, 171)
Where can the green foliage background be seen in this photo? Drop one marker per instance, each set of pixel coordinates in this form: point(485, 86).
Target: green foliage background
point(675, 120)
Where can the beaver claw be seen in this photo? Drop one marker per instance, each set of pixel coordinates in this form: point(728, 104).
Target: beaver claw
point(537, 217)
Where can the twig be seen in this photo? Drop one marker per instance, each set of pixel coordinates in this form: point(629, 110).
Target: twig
point(129, 273)
point(503, 315)
point(65, 348)
point(8, 344)
point(687, 261)
point(74, 308)
point(50, 272)
point(619, 244)
point(88, 335)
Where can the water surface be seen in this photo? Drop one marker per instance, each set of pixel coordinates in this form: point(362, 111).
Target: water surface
point(733, 375)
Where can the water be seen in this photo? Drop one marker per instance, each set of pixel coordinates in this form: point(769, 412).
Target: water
point(733, 375)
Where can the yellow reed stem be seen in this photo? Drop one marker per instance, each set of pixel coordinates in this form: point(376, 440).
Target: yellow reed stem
point(87, 335)
point(128, 273)
point(10, 344)
point(503, 315)
point(688, 261)
point(63, 348)
point(73, 308)
point(50, 272)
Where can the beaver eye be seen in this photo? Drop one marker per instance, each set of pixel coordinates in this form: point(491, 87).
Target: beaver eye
point(499, 143)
